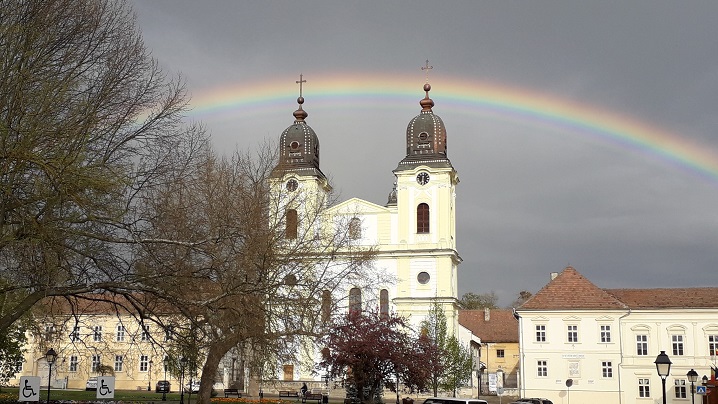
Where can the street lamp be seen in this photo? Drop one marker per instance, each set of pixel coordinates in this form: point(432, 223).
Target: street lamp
point(165, 361)
point(692, 376)
point(183, 363)
point(50, 357)
point(149, 377)
point(663, 366)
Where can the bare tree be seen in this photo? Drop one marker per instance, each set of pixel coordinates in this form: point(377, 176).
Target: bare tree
point(87, 122)
point(228, 266)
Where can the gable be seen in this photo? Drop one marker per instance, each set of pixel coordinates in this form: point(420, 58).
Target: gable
point(357, 207)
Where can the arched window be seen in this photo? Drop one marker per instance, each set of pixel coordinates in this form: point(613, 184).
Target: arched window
point(291, 231)
point(422, 218)
point(384, 304)
point(355, 228)
point(326, 305)
point(355, 300)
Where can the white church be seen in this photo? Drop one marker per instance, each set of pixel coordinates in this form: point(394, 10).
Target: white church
point(413, 234)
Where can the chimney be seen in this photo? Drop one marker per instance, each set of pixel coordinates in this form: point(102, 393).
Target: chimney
point(554, 275)
point(487, 313)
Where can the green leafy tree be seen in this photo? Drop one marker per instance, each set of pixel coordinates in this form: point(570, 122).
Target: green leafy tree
point(522, 297)
point(458, 366)
point(474, 301)
point(11, 352)
point(435, 330)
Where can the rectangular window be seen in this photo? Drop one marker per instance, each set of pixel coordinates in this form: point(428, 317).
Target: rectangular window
point(118, 363)
point(499, 353)
point(165, 363)
point(677, 343)
point(641, 345)
point(75, 334)
point(144, 361)
point(713, 345)
point(607, 369)
point(572, 335)
point(73, 363)
point(97, 333)
point(169, 331)
point(644, 388)
point(680, 388)
point(540, 333)
point(120, 333)
point(605, 333)
point(542, 368)
point(95, 363)
point(145, 333)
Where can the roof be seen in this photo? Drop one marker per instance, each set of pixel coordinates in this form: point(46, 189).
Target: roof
point(572, 291)
point(500, 327)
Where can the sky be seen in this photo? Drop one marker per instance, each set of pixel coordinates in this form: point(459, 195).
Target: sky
point(583, 132)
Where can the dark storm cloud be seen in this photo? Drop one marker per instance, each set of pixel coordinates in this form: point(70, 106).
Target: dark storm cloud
point(532, 199)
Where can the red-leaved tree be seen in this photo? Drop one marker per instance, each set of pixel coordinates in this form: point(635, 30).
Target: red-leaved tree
point(367, 349)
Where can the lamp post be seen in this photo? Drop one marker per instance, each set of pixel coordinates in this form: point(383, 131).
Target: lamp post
point(50, 357)
point(165, 361)
point(692, 376)
point(149, 377)
point(663, 367)
point(183, 363)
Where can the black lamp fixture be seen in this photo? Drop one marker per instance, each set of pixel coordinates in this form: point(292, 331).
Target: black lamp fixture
point(663, 367)
point(166, 362)
point(50, 357)
point(692, 376)
point(704, 379)
point(183, 364)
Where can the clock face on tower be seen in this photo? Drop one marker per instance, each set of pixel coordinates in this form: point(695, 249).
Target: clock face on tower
point(422, 178)
point(292, 185)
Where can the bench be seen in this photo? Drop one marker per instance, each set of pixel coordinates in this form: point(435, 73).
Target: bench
point(288, 394)
point(232, 392)
point(313, 397)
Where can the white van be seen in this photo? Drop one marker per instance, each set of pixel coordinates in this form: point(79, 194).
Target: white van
point(453, 400)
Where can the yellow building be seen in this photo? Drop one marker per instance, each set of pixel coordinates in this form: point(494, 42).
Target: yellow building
point(95, 339)
point(498, 331)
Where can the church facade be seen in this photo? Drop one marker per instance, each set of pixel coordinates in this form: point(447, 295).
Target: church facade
point(413, 234)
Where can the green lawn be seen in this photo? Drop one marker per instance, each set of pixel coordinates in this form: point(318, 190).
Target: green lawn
point(81, 395)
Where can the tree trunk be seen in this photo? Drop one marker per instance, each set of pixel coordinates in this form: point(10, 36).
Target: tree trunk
point(214, 355)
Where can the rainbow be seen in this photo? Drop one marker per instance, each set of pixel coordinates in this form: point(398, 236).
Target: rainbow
point(466, 96)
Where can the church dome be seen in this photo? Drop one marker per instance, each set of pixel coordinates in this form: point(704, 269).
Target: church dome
point(425, 135)
point(299, 146)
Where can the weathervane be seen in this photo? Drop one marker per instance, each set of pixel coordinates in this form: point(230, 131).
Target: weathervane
point(427, 68)
point(300, 81)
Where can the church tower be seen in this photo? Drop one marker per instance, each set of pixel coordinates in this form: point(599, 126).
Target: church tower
point(425, 196)
point(299, 188)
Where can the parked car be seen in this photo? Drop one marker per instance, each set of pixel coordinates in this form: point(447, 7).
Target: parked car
point(193, 388)
point(535, 400)
point(453, 400)
point(163, 386)
point(91, 383)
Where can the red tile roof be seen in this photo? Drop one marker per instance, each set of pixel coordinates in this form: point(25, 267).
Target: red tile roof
point(571, 290)
point(501, 326)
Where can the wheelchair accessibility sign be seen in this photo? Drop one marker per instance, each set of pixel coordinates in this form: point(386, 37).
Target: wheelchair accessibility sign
point(29, 388)
point(105, 387)
point(700, 389)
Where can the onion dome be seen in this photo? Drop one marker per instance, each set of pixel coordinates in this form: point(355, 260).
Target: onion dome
point(425, 137)
point(299, 147)
point(392, 197)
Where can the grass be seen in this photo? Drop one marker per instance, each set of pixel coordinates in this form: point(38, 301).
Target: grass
point(10, 394)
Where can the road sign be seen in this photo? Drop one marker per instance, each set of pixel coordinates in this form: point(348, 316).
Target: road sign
point(700, 389)
point(29, 388)
point(499, 390)
point(105, 387)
